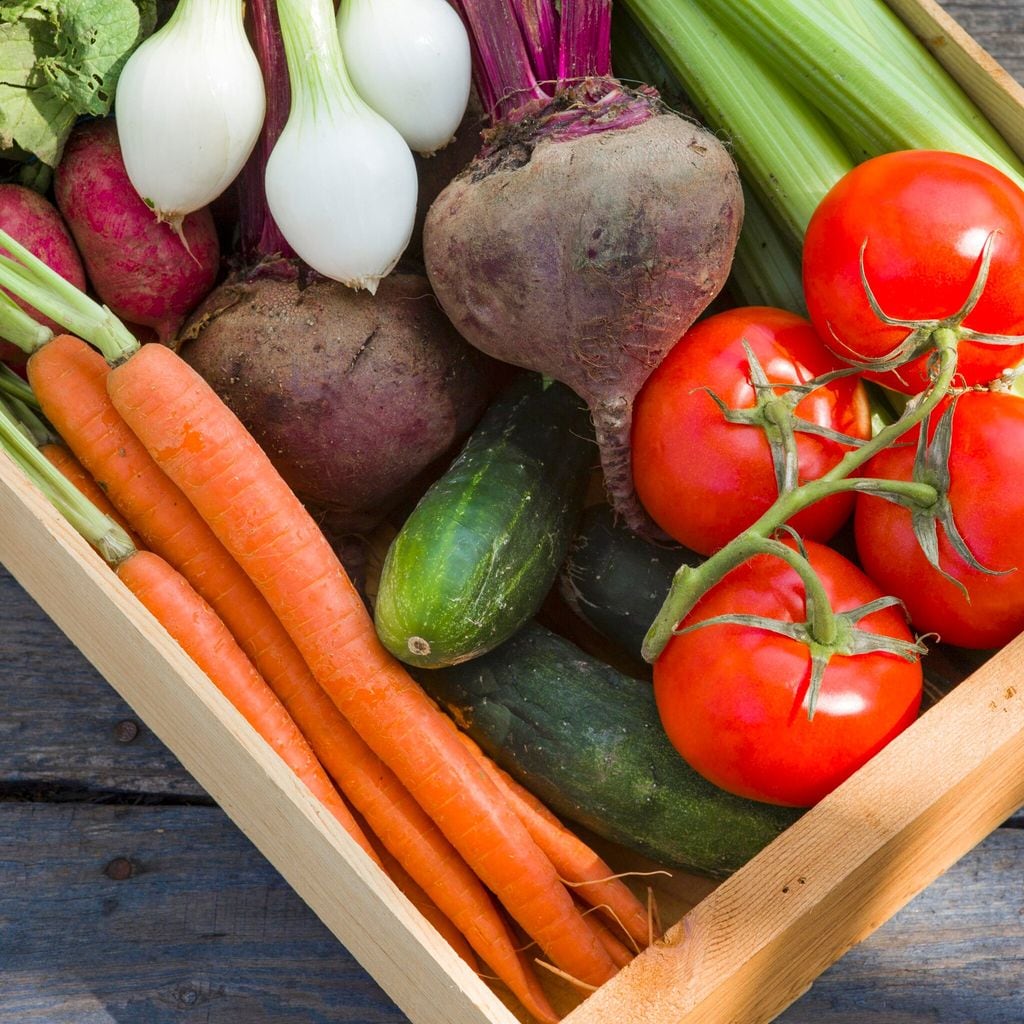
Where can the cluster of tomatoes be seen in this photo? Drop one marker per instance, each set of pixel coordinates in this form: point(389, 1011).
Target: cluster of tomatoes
point(905, 245)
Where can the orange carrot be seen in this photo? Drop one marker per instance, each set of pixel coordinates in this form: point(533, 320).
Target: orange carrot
point(620, 953)
point(423, 903)
point(62, 459)
point(589, 875)
point(228, 478)
point(170, 526)
point(205, 638)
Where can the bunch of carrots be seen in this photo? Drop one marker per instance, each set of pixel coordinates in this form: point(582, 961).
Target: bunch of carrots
point(218, 548)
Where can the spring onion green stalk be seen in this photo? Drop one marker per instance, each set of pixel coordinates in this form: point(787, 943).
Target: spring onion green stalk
point(189, 107)
point(341, 181)
point(880, 105)
point(897, 46)
point(785, 148)
point(410, 60)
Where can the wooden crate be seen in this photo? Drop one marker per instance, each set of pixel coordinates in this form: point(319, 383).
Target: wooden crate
point(740, 952)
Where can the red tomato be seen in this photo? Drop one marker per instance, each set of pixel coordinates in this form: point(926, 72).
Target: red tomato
point(925, 217)
point(733, 699)
point(704, 480)
point(986, 466)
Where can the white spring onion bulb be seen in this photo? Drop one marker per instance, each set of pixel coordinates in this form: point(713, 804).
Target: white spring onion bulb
point(340, 181)
point(410, 60)
point(190, 103)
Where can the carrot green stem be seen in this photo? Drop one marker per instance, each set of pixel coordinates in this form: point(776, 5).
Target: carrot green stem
point(17, 327)
point(692, 582)
point(34, 425)
point(98, 529)
point(31, 279)
point(15, 387)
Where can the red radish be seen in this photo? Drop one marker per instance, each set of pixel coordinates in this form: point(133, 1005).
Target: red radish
point(33, 221)
point(590, 232)
point(139, 267)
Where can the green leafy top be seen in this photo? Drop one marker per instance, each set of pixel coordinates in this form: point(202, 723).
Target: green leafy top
point(60, 59)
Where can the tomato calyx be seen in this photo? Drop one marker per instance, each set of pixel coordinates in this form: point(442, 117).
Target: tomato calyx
point(923, 336)
point(775, 415)
point(931, 467)
point(825, 633)
point(690, 583)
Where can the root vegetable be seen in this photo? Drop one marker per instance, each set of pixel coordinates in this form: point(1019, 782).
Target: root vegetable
point(139, 267)
point(590, 232)
point(353, 397)
point(33, 221)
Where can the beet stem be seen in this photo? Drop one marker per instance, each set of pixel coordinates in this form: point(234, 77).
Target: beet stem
point(584, 45)
point(501, 64)
point(539, 25)
point(260, 235)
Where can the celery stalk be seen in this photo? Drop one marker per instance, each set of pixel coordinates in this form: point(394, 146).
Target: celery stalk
point(785, 149)
point(876, 22)
point(816, 53)
point(766, 267)
point(766, 270)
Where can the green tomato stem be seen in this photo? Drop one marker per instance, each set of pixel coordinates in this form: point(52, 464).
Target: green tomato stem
point(691, 583)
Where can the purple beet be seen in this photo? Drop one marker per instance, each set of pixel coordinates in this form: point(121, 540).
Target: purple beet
point(32, 220)
point(139, 267)
point(353, 397)
point(590, 232)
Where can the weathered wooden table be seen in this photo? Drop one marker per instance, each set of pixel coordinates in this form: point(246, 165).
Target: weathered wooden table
point(126, 896)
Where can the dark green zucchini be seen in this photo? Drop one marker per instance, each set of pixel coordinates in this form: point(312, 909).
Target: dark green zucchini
point(616, 581)
point(587, 740)
point(483, 546)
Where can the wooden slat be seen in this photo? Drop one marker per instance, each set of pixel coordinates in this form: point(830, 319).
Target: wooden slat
point(160, 915)
point(204, 929)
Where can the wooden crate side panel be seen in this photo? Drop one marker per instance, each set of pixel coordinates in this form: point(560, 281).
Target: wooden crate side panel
point(998, 94)
point(417, 968)
point(760, 939)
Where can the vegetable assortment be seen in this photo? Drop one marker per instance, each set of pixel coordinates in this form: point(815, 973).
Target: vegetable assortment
point(850, 387)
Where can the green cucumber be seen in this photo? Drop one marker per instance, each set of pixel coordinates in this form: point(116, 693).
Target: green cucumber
point(615, 581)
point(586, 739)
point(480, 551)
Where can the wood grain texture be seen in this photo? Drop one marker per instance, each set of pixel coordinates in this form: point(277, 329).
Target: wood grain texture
point(204, 930)
point(162, 915)
point(64, 731)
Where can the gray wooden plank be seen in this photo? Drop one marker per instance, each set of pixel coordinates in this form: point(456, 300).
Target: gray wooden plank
point(998, 25)
point(62, 727)
point(203, 929)
point(953, 955)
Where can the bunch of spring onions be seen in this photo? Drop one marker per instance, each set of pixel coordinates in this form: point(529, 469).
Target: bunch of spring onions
point(386, 75)
point(747, 68)
point(189, 107)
